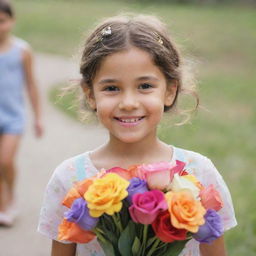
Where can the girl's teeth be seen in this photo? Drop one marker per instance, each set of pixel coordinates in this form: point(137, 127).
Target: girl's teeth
point(131, 120)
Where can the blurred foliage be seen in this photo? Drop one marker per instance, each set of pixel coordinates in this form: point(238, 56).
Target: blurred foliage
point(200, 1)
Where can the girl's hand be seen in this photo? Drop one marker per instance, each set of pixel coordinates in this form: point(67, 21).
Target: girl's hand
point(60, 249)
point(38, 127)
point(216, 248)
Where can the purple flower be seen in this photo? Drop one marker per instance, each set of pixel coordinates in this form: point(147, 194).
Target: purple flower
point(79, 213)
point(136, 186)
point(211, 230)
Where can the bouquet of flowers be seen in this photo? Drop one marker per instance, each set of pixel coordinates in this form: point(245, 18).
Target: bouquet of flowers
point(148, 209)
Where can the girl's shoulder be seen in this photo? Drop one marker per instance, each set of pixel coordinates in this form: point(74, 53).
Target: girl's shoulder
point(21, 43)
point(73, 169)
point(197, 164)
point(190, 157)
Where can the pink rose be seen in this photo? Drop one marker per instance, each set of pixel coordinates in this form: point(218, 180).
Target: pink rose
point(146, 206)
point(178, 168)
point(126, 174)
point(210, 198)
point(157, 175)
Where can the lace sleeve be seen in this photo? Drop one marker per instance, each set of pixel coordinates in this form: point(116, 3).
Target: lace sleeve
point(212, 176)
point(52, 210)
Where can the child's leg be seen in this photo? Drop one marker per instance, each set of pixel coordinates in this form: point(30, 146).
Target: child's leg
point(8, 148)
point(1, 183)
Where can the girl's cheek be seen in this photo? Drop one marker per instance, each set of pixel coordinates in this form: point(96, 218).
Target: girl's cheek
point(105, 109)
point(106, 103)
point(154, 104)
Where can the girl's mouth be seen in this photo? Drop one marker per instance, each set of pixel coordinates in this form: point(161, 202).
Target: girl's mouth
point(129, 121)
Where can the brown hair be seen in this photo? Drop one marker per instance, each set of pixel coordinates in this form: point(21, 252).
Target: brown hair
point(6, 7)
point(144, 32)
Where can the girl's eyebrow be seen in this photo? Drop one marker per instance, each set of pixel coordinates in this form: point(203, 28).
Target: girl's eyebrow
point(108, 80)
point(111, 80)
point(147, 78)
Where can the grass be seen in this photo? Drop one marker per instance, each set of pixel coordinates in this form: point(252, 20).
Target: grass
point(222, 39)
point(62, 102)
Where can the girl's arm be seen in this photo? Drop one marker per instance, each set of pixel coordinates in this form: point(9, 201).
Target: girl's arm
point(60, 249)
point(216, 248)
point(32, 90)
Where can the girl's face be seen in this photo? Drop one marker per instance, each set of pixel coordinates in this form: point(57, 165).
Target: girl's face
point(129, 93)
point(6, 24)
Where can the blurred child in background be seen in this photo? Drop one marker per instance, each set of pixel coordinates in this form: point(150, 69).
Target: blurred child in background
point(16, 74)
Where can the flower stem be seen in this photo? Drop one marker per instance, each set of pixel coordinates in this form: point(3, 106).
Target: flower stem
point(144, 238)
point(117, 221)
point(99, 235)
point(153, 248)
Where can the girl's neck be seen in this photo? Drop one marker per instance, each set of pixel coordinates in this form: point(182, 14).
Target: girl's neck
point(118, 153)
point(5, 43)
point(140, 148)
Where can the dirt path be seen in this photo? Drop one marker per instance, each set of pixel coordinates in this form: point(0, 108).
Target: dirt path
point(37, 158)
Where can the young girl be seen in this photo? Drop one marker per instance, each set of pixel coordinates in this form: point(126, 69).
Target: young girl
point(15, 72)
point(131, 74)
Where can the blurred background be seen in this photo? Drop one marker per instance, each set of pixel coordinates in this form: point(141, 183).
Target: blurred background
point(219, 36)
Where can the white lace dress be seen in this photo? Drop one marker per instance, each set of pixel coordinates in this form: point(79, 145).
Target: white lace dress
point(80, 167)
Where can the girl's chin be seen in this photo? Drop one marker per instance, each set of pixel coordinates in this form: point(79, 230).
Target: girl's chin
point(129, 139)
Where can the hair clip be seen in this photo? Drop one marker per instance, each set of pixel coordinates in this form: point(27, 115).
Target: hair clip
point(106, 31)
point(158, 38)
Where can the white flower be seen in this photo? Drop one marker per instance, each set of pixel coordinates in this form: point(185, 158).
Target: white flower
point(179, 183)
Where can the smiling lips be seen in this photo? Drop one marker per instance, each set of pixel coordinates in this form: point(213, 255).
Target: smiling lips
point(129, 121)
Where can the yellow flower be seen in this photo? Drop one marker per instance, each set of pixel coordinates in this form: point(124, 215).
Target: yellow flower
point(193, 179)
point(105, 195)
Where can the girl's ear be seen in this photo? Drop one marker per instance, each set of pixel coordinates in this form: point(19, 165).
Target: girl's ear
point(170, 93)
point(89, 95)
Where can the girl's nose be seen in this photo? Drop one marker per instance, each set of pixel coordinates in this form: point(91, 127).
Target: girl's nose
point(128, 102)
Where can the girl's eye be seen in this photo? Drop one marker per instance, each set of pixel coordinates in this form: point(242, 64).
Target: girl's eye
point(145, 86)
point(111, 88)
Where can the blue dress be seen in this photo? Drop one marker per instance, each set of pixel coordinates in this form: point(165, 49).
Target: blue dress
point(12, 81)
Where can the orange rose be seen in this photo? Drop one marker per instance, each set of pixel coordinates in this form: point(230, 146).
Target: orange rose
point(82, 186)
point(186, 212)
point(77, 191)
point(71, 196)
point(72, 232)
point(69, 230)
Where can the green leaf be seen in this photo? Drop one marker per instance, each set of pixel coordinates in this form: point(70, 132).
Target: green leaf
point(111, 237)
point(125, 216)
point(175, 248)
point(136, 246)
point(107, 248)
point(126, 240)
point(106, 221)
point(151, 241)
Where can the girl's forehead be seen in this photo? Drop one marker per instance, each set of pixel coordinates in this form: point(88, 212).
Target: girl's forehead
point(132, 53)
point(131, 63)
